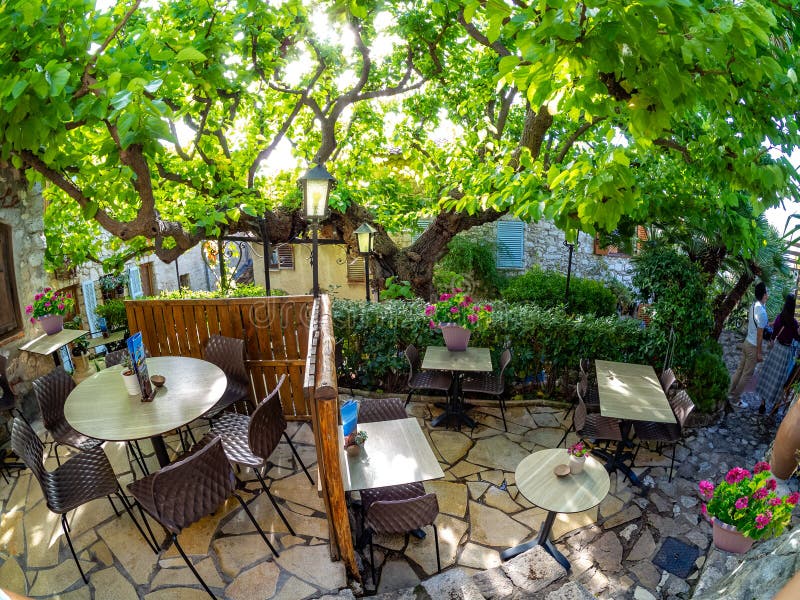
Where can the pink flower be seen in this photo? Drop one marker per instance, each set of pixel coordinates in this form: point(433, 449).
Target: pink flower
point(487, 307)
point(69, 295)
point(706, 489)
point(38, 296)
point(793, 498)
point(60, 307)
point(28, 309)
point(704, 510)
point(472, 318)
point(468, 299)
point(457, 290)
point(429, 310)
point(454, 309)
point(760, 493)
point(464, 304)
point(771, 484)
point(763, 519)
point(47, 289)
point(761, 466)
point(737, 474)
point(774, 501)
point(47, 305)
point(431, 324)
point(444, 297)
point(741, 503)
point(33, 320)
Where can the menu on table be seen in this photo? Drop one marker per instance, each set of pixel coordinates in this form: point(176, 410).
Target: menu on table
point(137, 352)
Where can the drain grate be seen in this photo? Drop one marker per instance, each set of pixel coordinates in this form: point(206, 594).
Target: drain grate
point(677, 557)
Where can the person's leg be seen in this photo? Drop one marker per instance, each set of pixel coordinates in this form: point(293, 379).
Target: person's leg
point(747, 366)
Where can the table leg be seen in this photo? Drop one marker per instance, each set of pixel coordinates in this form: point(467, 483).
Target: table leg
point(616, 461)
point(455, 408)
point(161, 450)
point(542, 540)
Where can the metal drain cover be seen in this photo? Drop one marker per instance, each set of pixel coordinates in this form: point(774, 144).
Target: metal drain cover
point(677, 557)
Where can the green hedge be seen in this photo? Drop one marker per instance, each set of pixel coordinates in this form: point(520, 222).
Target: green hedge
point(373, 338)
point(547, 289)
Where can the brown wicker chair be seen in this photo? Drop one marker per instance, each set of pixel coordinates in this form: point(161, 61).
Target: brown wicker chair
point(51, 393)
point(381, 409)
point(424, 380)
point(188, 490)
point(399, 509)
point(666, 433)
point(595, 426)
point(667, 379)
point(586, 390)
point(228, 354)
point(86, 476)
point(249, 441)
point(488, 383)
point(8, 406)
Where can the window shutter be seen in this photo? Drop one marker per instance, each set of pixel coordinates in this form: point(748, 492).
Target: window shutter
point(90, 302)
point(510, 245)
point(282, 257)
point(422, 225)
point(135, 283)
point(355, 270)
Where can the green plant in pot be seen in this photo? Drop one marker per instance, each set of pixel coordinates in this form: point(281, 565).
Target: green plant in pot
point(113, 311)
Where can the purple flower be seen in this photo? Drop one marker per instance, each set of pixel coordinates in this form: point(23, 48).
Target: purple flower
point(774, 501)
point(741, 503)
point(706, 489)
point(464, 303)
point(761, 466)
point(793, 498)
point(28, 309)
point(472, 318)
point(33, 320)
point(704, 510)
point(468, 299)
point(760, 493)
point(763, 519)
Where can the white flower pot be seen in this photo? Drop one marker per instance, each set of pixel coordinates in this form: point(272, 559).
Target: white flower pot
point(131, 383)
point(576, 464)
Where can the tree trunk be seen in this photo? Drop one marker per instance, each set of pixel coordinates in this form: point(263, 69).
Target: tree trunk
point(724, 304)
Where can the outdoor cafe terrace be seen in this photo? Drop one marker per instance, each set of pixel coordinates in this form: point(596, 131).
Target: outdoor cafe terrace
point(634, 530)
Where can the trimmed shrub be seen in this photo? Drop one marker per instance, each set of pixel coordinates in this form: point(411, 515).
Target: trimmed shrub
point(241, 291)
point(547, 289)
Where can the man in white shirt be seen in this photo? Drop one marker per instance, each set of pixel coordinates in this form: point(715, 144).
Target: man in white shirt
point(757, 320)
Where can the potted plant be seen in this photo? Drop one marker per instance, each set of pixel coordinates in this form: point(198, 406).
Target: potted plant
point(49, 308)
point(457, 315)
point(129, 376)
point(577, 457)
point(114, 313)
point(354, 442)
point(746, 507)
point(80, 347)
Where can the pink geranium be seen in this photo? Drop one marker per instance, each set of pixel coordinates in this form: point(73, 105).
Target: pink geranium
point(761, 466)
point(737, 474)
point(458, 308)
point(761, 493)
point(741, 503)
point(763, 520)
point(793, 498)
point(706, 488)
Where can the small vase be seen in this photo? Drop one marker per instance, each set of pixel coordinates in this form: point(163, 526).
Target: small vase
point(728, 538)
point(51, 324)
point(456, 338)
point(576, 464)
point(131, 383)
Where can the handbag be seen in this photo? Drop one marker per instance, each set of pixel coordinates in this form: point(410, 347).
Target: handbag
point(767, 330)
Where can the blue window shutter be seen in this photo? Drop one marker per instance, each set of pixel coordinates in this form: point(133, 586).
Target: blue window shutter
point(90, 302)
point(135, 282)
point(422, 225)
point(510, 245)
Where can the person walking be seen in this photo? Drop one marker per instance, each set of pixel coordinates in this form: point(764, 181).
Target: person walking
point(751, 347)
point(781, 355)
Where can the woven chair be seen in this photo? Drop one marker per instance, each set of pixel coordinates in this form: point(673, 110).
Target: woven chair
point(8, 405)
point(419, 380)
point(490, 384)
point(586, 390)
point(51, 393)
point(228, 354)
point(399, 509)
point(594, 426)
point(585, 365)
point(667, 379)
point(188, 490)
point(249, 441)
point(114, 358)
point(86, 476)
point(666, 433)
point(381, 409)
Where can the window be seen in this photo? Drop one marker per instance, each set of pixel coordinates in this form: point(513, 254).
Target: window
point(282, 257)
point(10, 313)
point(355, 270)
point(510, 245)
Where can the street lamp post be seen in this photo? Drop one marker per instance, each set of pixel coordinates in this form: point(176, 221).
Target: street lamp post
point(365, 236)
point(316, 184)
point(571, 247)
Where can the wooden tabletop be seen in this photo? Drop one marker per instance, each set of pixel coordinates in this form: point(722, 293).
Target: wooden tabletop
point(631, 392)
point(396, 452)
point(569, 494)
point(475, 360)
point(47, 344)
point(101, 408)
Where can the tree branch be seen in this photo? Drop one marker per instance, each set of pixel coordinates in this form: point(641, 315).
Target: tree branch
point(565, 147)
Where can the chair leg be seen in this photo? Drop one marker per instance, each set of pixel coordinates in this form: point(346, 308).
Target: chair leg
point(297, 456)
point(138, 456)
point(672, 463)
point(503, 412)
point(258, 527)
point(271, 499)
point(372, 559)
point(436, 541)
point(65, 527)
point(127, 506)
point(563, 439)
point(55, 450)
point(147, 526)
point(114, 506)
point(191, 566)
point(408, 398)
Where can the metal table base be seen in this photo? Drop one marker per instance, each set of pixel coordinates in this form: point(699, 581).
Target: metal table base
point(542, 540)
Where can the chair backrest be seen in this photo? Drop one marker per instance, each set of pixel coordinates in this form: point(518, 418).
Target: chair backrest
point(188, 490)
point(228, 354)
point(414, 364)
point(5, 384)
point(667, 379)
point(505, 360)
point(267, 424)
point(583, 386)
point(579, 416)
point(51, 393)
point(115, 357)
point(682, 406)
point(27, 445)
point(400, 516)
point(381, 409)
point(585, 364)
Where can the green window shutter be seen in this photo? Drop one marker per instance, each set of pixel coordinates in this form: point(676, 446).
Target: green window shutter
point(510, 245)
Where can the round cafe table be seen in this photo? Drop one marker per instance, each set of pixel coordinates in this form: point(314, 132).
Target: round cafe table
point(101, 408)
point(569, 494)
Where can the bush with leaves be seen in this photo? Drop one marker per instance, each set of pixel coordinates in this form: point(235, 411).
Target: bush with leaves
point(547, 289)
point(113, 311)
point(470, 263)
point(240, 291)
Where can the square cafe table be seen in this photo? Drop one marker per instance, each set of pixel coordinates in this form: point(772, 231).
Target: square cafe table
point(48, 344)
point(630, 392)
point(396, 452)
point(471, 360)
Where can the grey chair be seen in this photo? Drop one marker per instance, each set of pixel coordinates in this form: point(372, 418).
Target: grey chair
point(490, 384)
point(419, 380)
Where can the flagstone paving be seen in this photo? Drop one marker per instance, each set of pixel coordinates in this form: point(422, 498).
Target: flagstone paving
point(482, 513)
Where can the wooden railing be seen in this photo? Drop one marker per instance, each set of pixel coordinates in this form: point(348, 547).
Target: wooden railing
point(276, 333)
point(323, 394)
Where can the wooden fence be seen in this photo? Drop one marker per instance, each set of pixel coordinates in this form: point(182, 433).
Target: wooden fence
point(275, 330)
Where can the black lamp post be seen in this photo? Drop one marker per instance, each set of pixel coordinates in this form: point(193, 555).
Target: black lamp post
point(571, 247)
point(365, 236)
point(316, 184)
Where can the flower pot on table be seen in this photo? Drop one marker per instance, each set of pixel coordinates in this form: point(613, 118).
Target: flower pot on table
point(51, 324)
point(131, 383)
point(729, 539)
point(456, 338)
point(576, 464)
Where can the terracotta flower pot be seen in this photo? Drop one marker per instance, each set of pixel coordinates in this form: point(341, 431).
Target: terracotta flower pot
point(728, 538)
point(456, 338)
point(576, 464)
point(51, 324)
